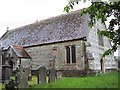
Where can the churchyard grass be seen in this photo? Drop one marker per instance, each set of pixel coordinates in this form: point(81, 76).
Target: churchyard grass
point(33, 81)
point(108, 80)
point(1, 86)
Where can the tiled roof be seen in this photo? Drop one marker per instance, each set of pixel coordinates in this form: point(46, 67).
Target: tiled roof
point(20, 52)
point(61, 28)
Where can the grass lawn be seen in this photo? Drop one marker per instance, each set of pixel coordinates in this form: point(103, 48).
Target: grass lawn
point(108, 80)
point(1, 86)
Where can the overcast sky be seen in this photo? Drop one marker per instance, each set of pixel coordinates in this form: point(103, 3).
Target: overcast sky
point(16, 13)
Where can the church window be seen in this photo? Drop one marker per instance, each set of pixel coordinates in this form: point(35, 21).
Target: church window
point(70, 54)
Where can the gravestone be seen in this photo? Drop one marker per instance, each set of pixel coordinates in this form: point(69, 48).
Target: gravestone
point(42, 75)
point(6, 72)
point(52, 75)
point(28, 73)
point(23, 82)
point(59, 74)
point(17, 78)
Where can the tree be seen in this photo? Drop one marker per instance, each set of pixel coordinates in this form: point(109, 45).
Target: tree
point(102, 11)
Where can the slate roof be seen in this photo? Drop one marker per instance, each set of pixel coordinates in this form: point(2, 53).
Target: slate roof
point(20, 52)
point(60, 28)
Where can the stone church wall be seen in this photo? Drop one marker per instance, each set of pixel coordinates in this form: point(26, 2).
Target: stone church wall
point(42, 55)
point(97, 50)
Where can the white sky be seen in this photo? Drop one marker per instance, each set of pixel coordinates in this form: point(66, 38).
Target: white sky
point(16, 13)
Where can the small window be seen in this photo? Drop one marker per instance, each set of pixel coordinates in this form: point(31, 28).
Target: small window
point(73, 50)
point(100, 40)
point(68, 54)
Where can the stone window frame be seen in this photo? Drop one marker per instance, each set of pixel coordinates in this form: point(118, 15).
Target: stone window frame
point(70, 54)
point(100, 40)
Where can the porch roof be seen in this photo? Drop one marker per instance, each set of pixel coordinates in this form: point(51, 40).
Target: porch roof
point(20, 51)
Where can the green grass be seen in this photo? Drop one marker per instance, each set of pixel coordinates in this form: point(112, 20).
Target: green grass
point(108, 80)
point(33, 81)
point(1, 86)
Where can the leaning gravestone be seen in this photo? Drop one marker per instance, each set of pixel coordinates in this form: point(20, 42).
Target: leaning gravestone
point(52, 75)
point(42, 75)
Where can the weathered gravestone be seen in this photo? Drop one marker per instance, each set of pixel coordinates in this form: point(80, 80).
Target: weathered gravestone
point(22, 78)
point(58, 74)
point(42, 75)
point(52, 75)
point(28, 73)
point(17, 78)
point(6, 73)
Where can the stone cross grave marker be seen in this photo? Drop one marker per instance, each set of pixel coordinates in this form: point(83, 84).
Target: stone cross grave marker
point(42, 75)
point(52, 75)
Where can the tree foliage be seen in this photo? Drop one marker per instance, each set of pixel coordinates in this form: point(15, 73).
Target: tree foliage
point(102, 11)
